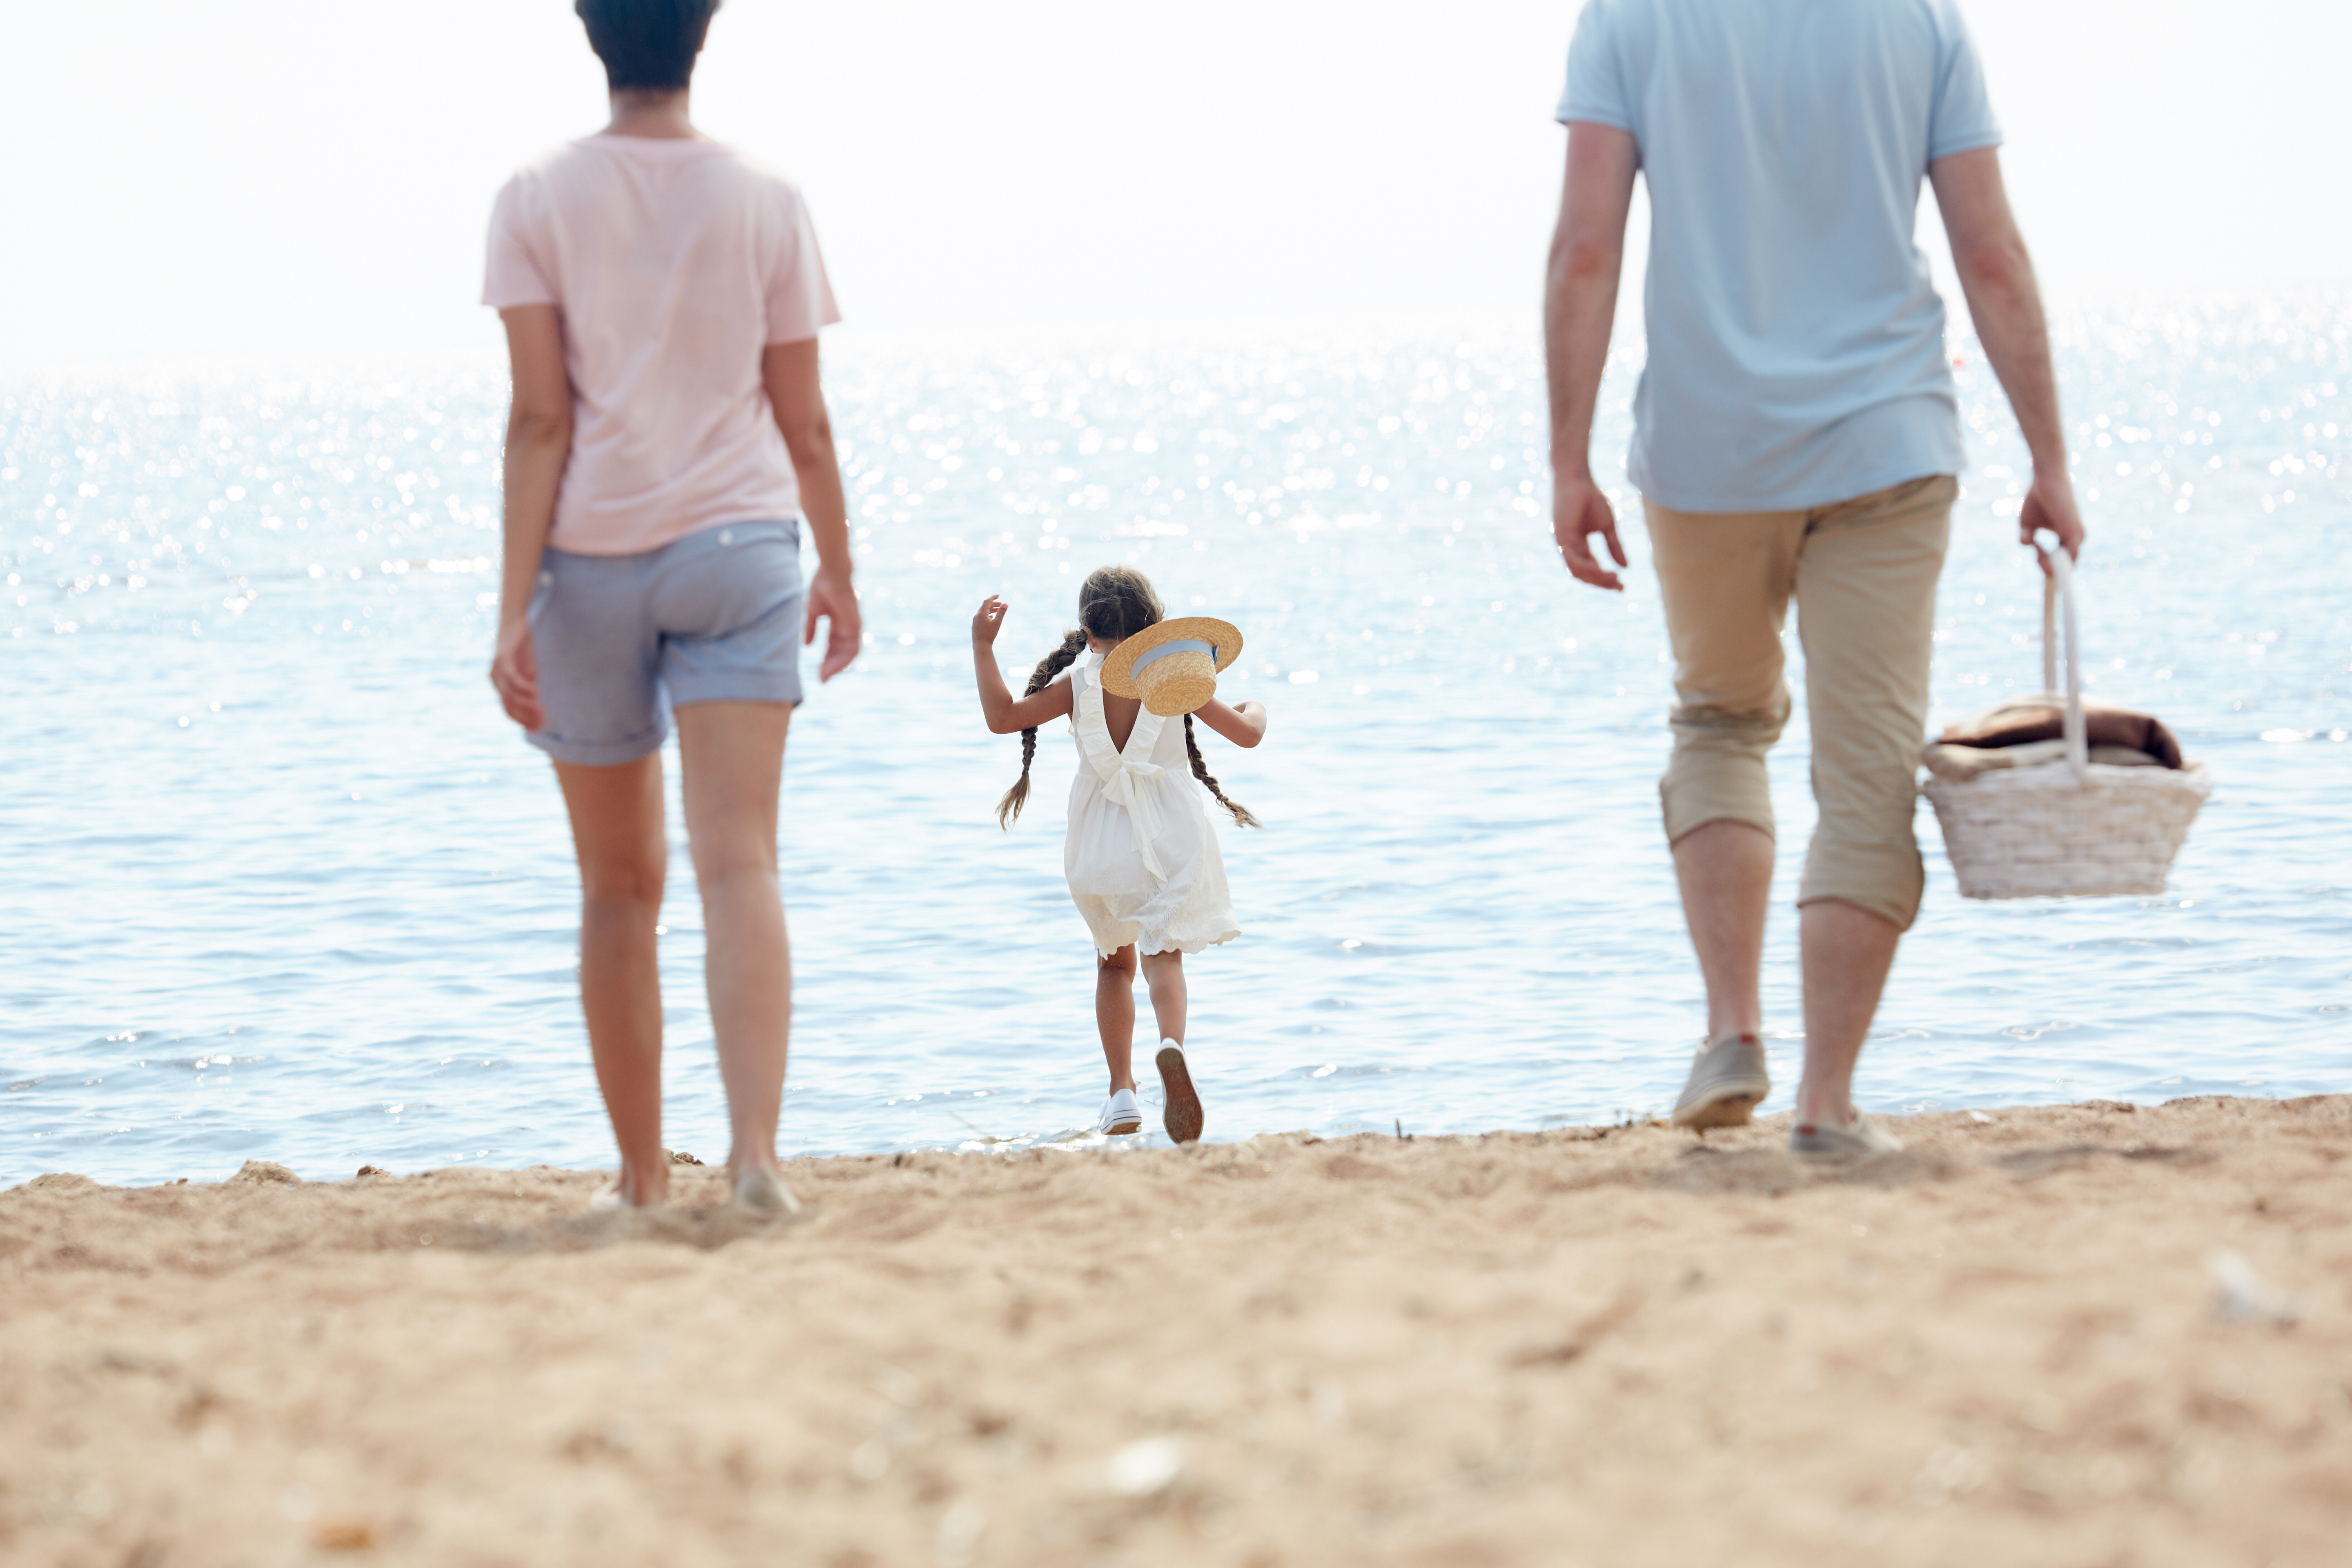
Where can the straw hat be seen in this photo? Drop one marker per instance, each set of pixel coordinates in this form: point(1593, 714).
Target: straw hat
point(1172, 665)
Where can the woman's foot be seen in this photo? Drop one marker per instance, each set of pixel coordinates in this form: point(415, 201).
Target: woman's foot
point(1120, 1114)
point(764, 1190)
point(612, 1196)
point(627, 1190)
point(1185, 1121)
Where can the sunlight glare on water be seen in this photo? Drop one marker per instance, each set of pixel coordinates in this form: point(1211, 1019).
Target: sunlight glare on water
point(284, 885)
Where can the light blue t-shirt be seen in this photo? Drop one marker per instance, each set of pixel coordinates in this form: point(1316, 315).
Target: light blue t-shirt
point(1796, 345)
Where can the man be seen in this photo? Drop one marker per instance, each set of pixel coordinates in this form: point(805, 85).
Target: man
point(1796, 432)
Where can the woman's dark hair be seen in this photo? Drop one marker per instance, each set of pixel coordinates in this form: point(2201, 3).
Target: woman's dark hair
point(647, 45)
point(1114, 604)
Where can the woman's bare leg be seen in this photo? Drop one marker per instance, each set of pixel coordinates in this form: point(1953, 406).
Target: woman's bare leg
point(1164, 973)
point(1115, 1013)
point(617, 829)
point(733, 757)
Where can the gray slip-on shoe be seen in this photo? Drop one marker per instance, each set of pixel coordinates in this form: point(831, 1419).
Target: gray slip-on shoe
point(1824, 1140)
point(1727, 1083)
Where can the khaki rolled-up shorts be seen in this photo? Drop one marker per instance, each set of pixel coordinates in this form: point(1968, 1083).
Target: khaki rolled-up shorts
point(1863, 573)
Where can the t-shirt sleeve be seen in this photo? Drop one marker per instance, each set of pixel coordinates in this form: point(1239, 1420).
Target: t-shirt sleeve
point(1596, 86)
point(1960, 120)
point(514, 276)
point(800, 296)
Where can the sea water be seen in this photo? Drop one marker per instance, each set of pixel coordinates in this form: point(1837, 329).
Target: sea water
point(282, 883)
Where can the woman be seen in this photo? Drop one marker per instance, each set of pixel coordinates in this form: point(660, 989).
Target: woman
point(661, 298)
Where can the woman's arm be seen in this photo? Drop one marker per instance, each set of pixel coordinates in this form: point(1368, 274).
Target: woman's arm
point(539, 440)
point(1004, 715)
point(797, 399)
point(1244, 725)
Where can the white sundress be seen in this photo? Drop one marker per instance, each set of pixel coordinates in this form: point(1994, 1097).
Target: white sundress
point(1141, 857)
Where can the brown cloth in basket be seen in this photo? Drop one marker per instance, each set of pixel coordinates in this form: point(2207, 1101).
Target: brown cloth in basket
point(2042, 717)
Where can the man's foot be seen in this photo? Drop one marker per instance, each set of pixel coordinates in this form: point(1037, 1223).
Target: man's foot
point(1185, 1120)
point(1120, 1114)
point(764, 1190)
point(1727, 1083)
point(1826, 1141)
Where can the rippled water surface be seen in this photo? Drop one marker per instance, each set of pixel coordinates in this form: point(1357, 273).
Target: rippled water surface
point(282, 883)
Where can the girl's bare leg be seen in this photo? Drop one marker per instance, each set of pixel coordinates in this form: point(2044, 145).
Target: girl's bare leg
point(617, 829)
point(1115, 1013)
point(1164, 973)
point(733, 756)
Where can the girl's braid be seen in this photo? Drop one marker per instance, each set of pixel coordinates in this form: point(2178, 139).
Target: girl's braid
point(1008, 810)
point(1241, 817)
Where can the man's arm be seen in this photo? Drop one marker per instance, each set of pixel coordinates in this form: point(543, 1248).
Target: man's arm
point(538, 442)
point(1587, 253)
point(797, 399)
point(1997, 277)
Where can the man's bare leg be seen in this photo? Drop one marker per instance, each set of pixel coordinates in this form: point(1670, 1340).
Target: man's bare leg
point(1847, 954)
point(733, 757)
point(1725, 869)
point(616, 828)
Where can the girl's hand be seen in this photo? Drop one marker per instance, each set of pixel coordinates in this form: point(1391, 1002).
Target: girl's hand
point(988, 622)
point(514, 671)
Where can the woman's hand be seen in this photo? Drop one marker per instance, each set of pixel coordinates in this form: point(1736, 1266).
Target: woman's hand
point(988, 622)
point(514, 671)
point(831, 598)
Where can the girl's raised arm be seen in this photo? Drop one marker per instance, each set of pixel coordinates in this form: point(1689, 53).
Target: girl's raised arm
point(1243, 724)
point(1006, 715)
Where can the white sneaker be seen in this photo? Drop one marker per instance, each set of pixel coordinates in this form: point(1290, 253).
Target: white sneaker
point(1183, 1117)
point(1120, 1115)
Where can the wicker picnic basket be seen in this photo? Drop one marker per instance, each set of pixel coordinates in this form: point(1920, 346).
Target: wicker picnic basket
point(2078, 830)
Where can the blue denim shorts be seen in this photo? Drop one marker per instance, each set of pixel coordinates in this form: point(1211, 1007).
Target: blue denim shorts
point(621, 639)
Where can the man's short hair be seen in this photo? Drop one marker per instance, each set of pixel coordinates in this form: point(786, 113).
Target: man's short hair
point(647, 45)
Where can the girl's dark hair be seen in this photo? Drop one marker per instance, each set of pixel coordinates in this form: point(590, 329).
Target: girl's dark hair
point(647, 45)
point(1114, 604)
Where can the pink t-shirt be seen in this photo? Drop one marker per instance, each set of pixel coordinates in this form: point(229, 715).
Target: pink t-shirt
point(674, 264)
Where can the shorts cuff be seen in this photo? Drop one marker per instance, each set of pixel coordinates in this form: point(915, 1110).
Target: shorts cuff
point(599, 754)
point(738, 685)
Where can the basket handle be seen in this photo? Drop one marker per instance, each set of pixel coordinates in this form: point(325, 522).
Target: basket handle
point(2057, 592)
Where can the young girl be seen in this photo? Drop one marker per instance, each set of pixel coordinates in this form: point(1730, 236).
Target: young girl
point(1141, 857)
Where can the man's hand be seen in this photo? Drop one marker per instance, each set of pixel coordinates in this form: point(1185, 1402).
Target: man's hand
point(1580, 511)
point(514, 671)
point(830, 596)
point(2050, 504)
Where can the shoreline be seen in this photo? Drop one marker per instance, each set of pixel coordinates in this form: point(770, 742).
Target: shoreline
point(2053, 1334)
point(1077, 1141)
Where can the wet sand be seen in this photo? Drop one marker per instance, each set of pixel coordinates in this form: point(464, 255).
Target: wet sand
point(2077, 1336)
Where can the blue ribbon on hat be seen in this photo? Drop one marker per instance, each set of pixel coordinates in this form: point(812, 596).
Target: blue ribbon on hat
point(1173, 645)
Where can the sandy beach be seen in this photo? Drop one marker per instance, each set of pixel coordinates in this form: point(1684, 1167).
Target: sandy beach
point(2084, 1335)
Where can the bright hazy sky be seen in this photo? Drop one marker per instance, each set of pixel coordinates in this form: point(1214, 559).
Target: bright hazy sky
point(275, 177)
